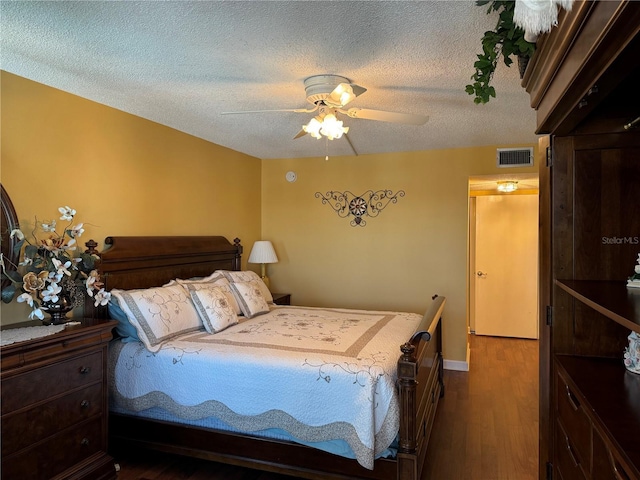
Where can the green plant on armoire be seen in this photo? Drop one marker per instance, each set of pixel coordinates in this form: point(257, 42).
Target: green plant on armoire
point(506, 40)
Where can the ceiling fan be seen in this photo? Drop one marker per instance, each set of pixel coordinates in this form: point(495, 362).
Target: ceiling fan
point(329, 94)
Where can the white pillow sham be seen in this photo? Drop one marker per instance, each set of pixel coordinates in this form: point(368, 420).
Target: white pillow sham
point(250, 298)
point(209, 278)
point(213, 306)
point(248, 276)
point(159, 314)
point(218, 281)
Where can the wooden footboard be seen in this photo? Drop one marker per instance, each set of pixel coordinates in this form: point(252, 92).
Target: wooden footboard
point(142, 262)
point(420, 386)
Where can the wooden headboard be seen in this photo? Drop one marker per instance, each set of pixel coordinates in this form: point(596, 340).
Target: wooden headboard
point(143, 262)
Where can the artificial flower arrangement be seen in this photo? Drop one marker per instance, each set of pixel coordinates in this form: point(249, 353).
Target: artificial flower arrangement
point(52, 278)
point(634, 280)
point(632, 353)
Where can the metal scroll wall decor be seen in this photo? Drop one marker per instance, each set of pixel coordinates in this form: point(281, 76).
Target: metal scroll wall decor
point(370, 203)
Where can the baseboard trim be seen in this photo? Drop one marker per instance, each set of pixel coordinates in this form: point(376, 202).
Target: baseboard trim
point(458, 365)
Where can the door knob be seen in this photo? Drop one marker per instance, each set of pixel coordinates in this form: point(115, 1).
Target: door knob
point(481, 274)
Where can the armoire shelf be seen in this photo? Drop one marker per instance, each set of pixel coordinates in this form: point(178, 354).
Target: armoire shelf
point(612, 299)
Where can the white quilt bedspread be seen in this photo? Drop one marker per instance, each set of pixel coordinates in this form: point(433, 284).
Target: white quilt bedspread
point(318, 373)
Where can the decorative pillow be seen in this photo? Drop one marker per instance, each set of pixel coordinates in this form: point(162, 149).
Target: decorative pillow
point(213, 306)
point(248, 276)
point(249, 296)
point(218, 281)
point(158, 314)
point(124, 329)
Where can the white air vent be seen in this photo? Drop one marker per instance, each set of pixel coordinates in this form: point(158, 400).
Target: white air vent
point(515, 157)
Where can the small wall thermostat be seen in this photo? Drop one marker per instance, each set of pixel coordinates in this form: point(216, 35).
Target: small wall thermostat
point(291, 176)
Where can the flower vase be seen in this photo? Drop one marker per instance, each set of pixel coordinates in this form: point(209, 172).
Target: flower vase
point(58, 311)
point(632, 353)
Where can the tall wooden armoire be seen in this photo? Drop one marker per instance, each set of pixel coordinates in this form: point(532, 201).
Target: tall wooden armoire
point(584, 83)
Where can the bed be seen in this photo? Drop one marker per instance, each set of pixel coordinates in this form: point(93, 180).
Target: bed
point(394, 428)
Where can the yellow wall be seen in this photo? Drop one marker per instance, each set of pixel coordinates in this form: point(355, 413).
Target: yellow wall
point(124, 175)
point(129, 176)
point(412, 250)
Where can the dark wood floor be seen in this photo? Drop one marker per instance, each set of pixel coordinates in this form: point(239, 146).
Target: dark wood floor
point(486, 427)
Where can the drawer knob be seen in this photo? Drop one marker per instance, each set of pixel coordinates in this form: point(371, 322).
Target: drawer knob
point(84, 404)
point(85, 370)
point(84, 442)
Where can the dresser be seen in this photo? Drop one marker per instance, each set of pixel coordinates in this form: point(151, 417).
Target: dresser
point(583, 84)
point(54, 405)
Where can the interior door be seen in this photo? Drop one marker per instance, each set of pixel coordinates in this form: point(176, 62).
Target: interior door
point(506, 274)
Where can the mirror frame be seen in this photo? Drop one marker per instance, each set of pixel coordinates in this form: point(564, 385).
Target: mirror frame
point(9, 221)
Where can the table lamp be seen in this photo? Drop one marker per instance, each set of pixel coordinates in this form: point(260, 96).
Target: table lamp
point(263, 253)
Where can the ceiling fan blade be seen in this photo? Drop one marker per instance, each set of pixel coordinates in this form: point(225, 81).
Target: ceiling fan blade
point(301, 133)
point(343, 94)
point(296, 110)
point(350, 144)
point(393, 117)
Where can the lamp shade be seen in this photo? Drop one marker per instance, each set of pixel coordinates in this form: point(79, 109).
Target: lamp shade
point(263, 252)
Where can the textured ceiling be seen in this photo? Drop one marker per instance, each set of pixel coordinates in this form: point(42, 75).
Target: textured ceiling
point(183, 63)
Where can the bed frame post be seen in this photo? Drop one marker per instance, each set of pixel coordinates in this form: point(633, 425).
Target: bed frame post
point(420, 386)
point(407, 373)
point(237, 261)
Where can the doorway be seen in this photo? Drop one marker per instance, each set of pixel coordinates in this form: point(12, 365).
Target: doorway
point(503, 263)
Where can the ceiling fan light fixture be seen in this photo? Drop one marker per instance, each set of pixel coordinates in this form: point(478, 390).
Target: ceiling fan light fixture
point(329, 126)
point(507, 186)
point(313, 128)
point(332, 127)
point(341, 95)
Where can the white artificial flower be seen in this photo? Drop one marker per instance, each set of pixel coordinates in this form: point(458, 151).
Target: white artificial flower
point(92, 278)
point(50, 294)
point(638, 269)
point(102, 297)
point(61, 268)
point(48, 226)
point(55, 277)
point(16, 232)
point(67, 213)
point(36, 313)
point(76, 230)
point(26, 297)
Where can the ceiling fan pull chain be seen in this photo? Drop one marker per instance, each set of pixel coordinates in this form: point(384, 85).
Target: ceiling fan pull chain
point(326, 149)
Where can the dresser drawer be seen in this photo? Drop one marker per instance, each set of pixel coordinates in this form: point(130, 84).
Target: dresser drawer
point(606, 465)
point(566, 461)
point(50, 380)
point(24, 427)
point(574, 420)
point(58, 453)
